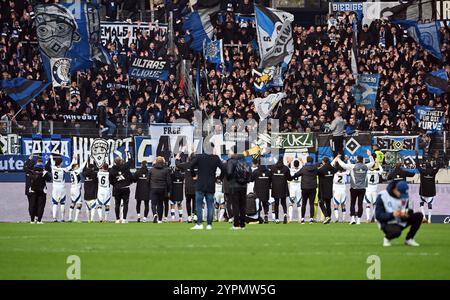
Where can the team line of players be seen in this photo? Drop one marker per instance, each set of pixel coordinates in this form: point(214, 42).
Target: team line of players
point(273, 185)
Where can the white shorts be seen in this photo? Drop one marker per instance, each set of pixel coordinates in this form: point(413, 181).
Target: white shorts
point(339, 197)
point(91, 204)
point(219, 198)
point(58, 194)
point(295, 194)
point(371, 196)
point(75, 194)
point(428, 200)
point(103, 197)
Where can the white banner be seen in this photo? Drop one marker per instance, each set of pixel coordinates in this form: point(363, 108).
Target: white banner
point(123, 30)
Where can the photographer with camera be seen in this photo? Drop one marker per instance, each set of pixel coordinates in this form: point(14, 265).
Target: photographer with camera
point(394, 215)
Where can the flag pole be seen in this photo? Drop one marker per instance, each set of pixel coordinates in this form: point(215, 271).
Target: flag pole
point(14, 117)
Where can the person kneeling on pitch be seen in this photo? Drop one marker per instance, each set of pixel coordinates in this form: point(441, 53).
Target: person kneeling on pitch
point(394, 216)
point(253, 210)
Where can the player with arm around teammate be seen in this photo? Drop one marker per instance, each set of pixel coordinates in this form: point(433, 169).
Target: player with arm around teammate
point(58, 186)
point(90, 189)
point(75, 190)
point(295, 191)
point(373, 179)
point(104, 179)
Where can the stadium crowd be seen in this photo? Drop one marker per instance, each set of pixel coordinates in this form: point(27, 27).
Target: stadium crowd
point(318, 80)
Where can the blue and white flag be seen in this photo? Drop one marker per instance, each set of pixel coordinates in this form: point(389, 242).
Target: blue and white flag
point(437, 82)
point(365, 90)
point(264, 106)
point(69, 30)
point(199, 22)
point(426, 35)
point(429, 118)
point(213, 51)
point(274, 32)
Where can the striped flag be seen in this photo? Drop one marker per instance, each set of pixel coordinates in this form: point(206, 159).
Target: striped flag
point(22, 90)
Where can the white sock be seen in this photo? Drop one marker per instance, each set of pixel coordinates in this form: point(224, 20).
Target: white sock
point(139, 216)
point(91, 214)
point(70, 213)
point(99, 211)
point(343, 214)
point(180, 214)
point(54, 210)
point(77, 212)
point(299, 212)
point(336, 213)
point(290, 212)
point(423, 210)
point(62, 211)
point(221, 213)
point(429, 215)
point(368, 213)
point(106, 214)
point(273, 216)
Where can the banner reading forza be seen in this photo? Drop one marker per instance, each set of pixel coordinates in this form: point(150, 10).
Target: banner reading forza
point(399, 148)
point(142, 67)
point(46, 146)
point(111, 148)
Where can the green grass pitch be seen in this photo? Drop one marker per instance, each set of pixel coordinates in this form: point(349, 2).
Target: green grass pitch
point(172, 251)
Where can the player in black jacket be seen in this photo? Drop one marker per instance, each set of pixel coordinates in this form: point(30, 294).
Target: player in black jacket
point(262, 179)
point(90, 189)
point(28, 169)
point(399, 174)
point(309, 187)
point(190, 182)
point(38, 191)
point(176, 194)
point(280, 175)
point(326, 173)
point(142, 193)
point(427, 190)
point(121, 180)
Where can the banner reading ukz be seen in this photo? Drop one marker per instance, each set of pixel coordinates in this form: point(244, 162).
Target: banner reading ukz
point(142, 67)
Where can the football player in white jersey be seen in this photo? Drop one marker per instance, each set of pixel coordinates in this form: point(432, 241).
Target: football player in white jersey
point(373, 179)
point(103, 192)
point(75, 190)
point(295, 191)
point(58, 186)
point(219, 198)
point(339, 192)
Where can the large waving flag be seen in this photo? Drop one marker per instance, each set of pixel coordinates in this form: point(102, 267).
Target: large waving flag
point(264, 106)
point(70, 31)
point(213, 51)
point(22, 90)
point(199, 22)
point(274, 31)
point(437, 82)
point(426, 35)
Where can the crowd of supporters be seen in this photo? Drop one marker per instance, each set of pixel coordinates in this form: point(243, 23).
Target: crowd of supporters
point(317, 82)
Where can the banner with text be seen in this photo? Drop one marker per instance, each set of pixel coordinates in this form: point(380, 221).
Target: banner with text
point(142, 67)
point(45, 146)
point(429, 118)
point(125, 32)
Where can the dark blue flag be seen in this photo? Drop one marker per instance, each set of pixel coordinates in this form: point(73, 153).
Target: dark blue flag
point(22, 90)
point(437, 82)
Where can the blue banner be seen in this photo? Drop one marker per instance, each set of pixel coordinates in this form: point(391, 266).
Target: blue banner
point(12, 163)
point(365, 90)
point(430, 118)
point(69, 30)
point(45, 146)
point(437, 82)
point(213, 51)
point(142, 67)
point(356, 145)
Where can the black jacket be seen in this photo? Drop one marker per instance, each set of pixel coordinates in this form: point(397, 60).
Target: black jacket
point(280, 174)
point(233, 184)
point(207, 165)
point(160, 178)
point(427, 179)
point(90, 182)
point(309, 176)
point(261, 177)
point(28, 169)
point(177, 177)
point(399, 174)
point(189, 180)
point(121, 177)
point(38, 179)
point(142, 180)
point(326, 174)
